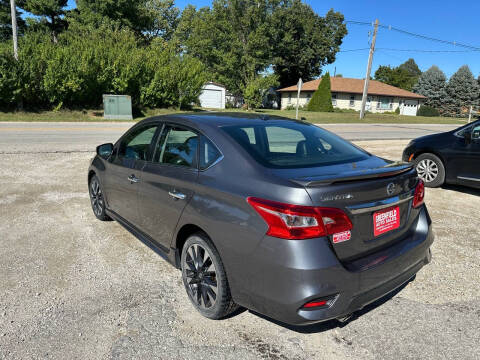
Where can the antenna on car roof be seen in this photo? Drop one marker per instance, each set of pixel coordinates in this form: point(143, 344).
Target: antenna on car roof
point(264, 117)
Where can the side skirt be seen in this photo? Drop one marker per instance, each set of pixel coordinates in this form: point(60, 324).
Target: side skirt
point(170, 255)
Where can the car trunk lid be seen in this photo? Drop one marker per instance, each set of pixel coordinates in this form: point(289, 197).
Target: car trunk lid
point(375, 194)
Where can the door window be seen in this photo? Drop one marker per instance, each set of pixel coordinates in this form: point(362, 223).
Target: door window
point(476, 132)
point(209, 153)
point(178, 146)
point(136, 145)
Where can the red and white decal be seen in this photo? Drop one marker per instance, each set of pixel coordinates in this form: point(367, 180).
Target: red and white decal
point(386, 220)
point(341, 237)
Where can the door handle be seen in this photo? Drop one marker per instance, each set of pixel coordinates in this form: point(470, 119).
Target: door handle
point(133, 179)
point(177, 195)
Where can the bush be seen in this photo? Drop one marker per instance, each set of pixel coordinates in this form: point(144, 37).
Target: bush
point(9, 84)
point(397, 110)
point(255, 90)
point(86, 63)
point(426, 110)
point(338, 110)
point(322, 97)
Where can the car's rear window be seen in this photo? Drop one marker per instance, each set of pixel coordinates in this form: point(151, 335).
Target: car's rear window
point(293, 145)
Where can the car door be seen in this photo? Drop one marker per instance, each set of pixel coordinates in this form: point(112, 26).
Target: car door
point(168, 182)
point(124, 171)
point(468, 162)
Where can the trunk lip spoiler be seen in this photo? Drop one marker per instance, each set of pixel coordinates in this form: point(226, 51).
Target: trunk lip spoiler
point(374, 173)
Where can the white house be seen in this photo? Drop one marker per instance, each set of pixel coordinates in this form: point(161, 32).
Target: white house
point(213, 96)
point(347, 94)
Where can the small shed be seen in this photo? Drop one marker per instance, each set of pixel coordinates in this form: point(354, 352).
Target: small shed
point(212, 96)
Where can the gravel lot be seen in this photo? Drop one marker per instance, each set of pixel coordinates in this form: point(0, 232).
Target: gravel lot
point(73, 287)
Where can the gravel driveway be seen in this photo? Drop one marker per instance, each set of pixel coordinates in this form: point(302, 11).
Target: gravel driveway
point(73, 287)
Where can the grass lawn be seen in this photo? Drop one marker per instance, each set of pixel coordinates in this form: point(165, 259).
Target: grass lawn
point(72, 115)
point(350, 117)
point(314, 117)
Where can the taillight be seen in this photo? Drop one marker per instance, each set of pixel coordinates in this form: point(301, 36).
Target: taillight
point(288, 221)
point(419, 195)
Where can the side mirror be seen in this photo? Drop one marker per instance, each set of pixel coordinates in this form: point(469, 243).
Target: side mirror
point(105, 150)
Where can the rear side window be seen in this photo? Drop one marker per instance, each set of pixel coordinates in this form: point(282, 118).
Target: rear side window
point(209, 153)
point(284, 144)
point(177, 146)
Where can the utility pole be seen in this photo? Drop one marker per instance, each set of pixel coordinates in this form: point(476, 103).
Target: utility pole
point(299, 88)
point(13, 12)
point(369, 69)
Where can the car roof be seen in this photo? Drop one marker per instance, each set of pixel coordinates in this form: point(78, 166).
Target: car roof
point(219, 119)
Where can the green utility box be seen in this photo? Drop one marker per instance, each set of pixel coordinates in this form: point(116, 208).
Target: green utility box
point(117, 107)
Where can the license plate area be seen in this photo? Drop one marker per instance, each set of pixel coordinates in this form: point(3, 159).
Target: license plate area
point(386, 220)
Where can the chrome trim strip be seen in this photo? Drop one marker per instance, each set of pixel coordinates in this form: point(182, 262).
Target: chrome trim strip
point(176, 195)
point(377, 205)
point(467, 178)
point(216, 161)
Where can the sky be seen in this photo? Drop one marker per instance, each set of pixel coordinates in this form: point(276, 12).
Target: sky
point(457, 21)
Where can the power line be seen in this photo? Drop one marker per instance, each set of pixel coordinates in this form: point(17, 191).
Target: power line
point(413, 50)
point(420, 36)
point(350, 50)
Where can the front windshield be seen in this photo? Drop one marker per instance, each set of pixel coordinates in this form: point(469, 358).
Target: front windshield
point(284, 144)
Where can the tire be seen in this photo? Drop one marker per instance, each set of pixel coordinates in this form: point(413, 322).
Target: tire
point(97, 199)
point(204, 277)
point(430, 169)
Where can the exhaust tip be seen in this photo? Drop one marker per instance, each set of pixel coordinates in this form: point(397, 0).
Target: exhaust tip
point(345, 319)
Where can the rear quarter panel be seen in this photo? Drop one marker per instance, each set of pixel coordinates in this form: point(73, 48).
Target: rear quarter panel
point(219, 207)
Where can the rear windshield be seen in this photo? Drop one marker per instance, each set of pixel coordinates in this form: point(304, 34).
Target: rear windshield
point(293, 145)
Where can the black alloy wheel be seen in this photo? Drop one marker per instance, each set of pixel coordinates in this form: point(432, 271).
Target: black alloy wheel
point(97, 199)
point(205, 279)
point(201, 276)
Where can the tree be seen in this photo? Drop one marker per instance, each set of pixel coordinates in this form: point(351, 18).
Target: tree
point(462, 91)
point(256, 89)
point(322, 97)
point(304, 41)
point(432, 84)
point(240, 39)
point(164, 18)
point(50, 10)
point(404, 76)
point(6, 20)
point(394, 76)
point(115, 14)
point(411, 66)
point(231, 39)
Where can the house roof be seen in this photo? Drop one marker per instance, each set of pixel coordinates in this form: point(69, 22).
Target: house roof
point(355, 86)
point(214, 83)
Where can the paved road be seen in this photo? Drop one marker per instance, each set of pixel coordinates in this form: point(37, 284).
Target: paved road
point(65, 137)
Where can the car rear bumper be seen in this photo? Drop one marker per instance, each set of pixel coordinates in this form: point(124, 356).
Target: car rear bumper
point(292, 273)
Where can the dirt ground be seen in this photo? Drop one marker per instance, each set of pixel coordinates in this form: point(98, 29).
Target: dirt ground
point(72, 287)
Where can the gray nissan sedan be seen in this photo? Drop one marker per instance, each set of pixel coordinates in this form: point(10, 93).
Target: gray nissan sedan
point(278, 216)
